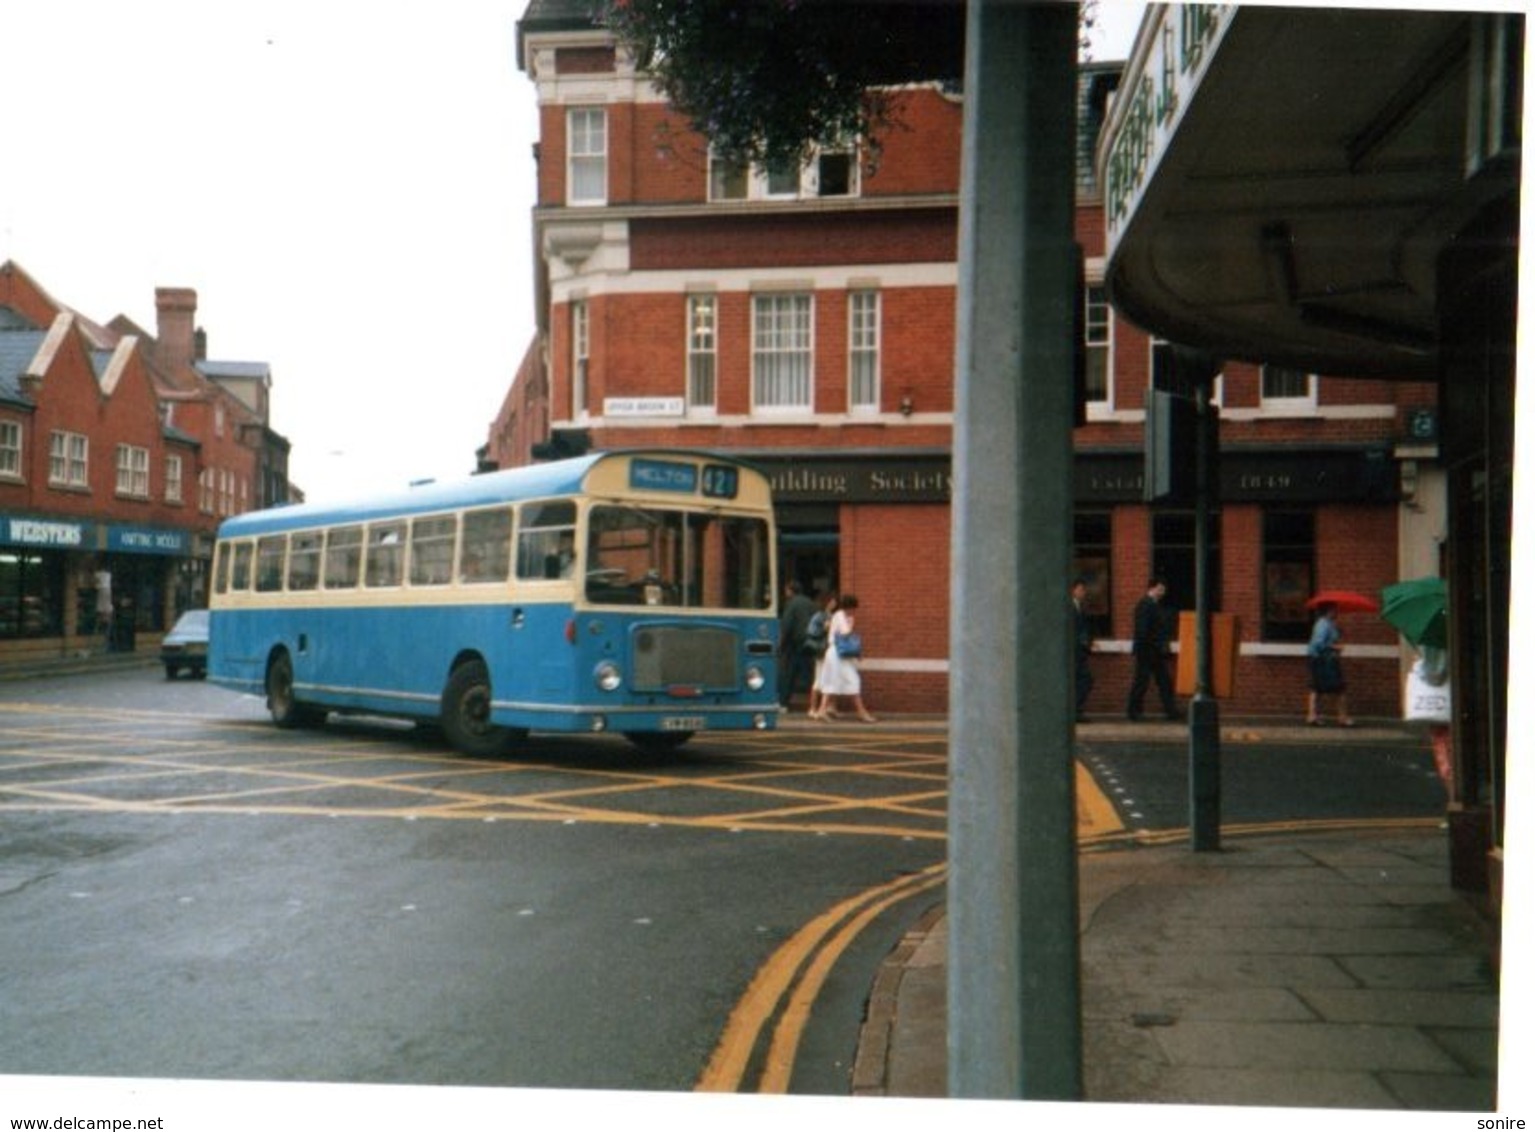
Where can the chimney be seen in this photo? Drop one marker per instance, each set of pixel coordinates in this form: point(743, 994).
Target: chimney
point(176, 310)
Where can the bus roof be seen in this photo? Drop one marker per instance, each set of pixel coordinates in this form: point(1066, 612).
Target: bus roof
point(534, 481)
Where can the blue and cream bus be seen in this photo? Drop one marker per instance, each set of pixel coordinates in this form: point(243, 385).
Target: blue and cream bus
point(624, 591)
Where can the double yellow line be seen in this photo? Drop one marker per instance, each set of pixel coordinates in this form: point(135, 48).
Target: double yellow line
point(787, 985)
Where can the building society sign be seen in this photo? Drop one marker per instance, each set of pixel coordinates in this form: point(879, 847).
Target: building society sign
point(1151, 101)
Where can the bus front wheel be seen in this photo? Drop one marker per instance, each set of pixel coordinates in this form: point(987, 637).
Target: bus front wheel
point(466, 712)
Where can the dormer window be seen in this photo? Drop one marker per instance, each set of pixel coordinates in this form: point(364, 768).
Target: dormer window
point(829, 173)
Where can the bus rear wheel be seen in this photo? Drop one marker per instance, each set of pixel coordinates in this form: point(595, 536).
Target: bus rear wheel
point(466, 703)
point(282, 701)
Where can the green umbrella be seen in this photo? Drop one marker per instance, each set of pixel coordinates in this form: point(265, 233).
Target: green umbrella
point(1416, 609)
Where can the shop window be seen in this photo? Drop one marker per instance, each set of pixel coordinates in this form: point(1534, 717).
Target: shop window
point(781, 352)
point(587, 171)
point(1289, 573)
point(30, 594)
point(1092, 558)
point(1174, 559)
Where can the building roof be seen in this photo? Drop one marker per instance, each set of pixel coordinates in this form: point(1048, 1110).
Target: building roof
point(249, 371)
point(17, 349)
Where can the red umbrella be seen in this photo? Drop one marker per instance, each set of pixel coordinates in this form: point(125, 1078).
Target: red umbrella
point(1345, 601)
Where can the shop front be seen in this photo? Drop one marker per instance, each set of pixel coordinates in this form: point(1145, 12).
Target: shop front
point(1292, 520)
point(72, 585)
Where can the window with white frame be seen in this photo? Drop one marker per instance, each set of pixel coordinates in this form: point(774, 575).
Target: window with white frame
point(68, 459)
point(1287, 389)
point(702, 322)
point(133, 471)
point(728, 180)
point(173, 479)
point(580, 356)
point(1097, 322)
point(587, 150)
point(863, 351)
point(828, 173)
point(781, 352)
point(10, 449)
point(205, 488)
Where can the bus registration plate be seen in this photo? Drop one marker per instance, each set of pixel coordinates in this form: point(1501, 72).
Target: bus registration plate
point(682, 723)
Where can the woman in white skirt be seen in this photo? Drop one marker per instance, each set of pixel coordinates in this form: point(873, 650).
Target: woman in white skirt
point(839, 674)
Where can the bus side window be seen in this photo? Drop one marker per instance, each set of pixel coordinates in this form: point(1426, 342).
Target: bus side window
point(240, 572)
point(546, 540)
point(487, 550)
point(304, 560)
point(270, 552)
point(343, 558)
point(386, 545)
point(221, 568)
point(431, 550)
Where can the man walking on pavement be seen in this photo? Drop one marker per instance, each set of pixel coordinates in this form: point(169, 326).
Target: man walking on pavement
point(1150, 650)
point(793, 660)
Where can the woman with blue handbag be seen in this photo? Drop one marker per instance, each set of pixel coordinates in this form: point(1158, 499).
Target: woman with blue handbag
point(839, 674)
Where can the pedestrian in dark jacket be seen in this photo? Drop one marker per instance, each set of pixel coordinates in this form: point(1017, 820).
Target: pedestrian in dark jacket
point(1150, 651)
point(795, 664)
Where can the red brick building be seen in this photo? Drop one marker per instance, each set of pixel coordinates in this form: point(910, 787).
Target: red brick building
point(805, 319)
point(120, 452)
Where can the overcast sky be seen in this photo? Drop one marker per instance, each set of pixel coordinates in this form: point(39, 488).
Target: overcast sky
point(346, 187)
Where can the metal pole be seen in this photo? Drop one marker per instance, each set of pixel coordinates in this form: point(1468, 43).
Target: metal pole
point(1014, 1006)
point(1204, 708)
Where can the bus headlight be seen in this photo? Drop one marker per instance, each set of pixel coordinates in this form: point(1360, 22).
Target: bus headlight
point(608, 676)
point(755, 680)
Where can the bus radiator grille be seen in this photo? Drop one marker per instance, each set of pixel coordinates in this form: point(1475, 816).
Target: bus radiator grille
point(677, 656)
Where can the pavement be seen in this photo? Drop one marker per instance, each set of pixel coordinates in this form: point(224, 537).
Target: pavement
point(1327, 967)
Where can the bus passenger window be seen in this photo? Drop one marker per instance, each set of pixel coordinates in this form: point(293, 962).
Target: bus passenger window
point(269, 559)
point(343, 558)
point(221, 568)
point(240, 572)
point(304, 560)
point(431, 551)
point(386, 545)
point(487, 552)
point(546, 540)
